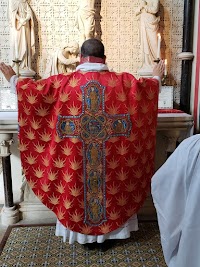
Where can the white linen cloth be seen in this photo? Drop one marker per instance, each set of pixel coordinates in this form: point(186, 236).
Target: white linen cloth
point(176, 195)
point(120, 233)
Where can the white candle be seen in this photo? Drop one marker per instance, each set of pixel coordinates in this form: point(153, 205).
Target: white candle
point(16, 47)
point(165, 71)
point(158, 48)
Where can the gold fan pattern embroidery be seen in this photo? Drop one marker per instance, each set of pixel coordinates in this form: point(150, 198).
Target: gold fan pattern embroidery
point(68, 174)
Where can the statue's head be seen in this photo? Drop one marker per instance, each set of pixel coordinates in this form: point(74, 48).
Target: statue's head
point(73, 48)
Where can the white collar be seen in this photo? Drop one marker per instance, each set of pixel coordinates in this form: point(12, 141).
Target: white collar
point(92, 67)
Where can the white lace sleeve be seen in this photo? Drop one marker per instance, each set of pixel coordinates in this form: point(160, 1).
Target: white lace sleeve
point(159, 79)
point(13, 82)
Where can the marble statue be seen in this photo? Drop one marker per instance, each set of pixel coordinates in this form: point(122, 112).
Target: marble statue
point(63, 60)
point(85, 21)
point(22, 32)
point(149, 25)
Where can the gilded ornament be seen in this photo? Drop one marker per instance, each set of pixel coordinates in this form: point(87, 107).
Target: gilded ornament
point(67, 150)
point(52, 176)
point(68, 204)
point(113, 164)
point(54, 200)
point(39, 148)
point(56, 84)
point(121, 96)
point(45, 187)
point(32, 99)
point(50, 99)
point(74, 110)
point(60, 214)
point(59, 163)
point(45, 136)
point(113, 189)
point(122, 176)
point(122, 200)
point(42, 111)
point(27, 110)
point(75, 165)
point(22, 122)
point(76, 217)
point(23, 147)
point(36, 124)
point(30, 135)
point(74, 82)
point(75, 191)
point(64, 97)
point(60, 188)
point(67, 177)
point(131, 162)
point(38, 172)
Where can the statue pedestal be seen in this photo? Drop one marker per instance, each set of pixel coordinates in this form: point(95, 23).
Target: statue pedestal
point(9, 215)
point(31, 211)
point(146, 71)
point(31, 207)
point(27, 73)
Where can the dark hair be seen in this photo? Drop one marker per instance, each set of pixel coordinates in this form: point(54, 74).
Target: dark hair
point(92, 47)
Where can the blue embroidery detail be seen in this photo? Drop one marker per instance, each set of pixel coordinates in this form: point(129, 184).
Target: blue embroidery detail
point(94, 127)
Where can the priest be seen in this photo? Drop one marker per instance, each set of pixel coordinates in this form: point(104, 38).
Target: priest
point(176, 195)
point(87, 143)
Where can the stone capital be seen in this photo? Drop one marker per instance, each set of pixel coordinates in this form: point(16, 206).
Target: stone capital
point(5, 141)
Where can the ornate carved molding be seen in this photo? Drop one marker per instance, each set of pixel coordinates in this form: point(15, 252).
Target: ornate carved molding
point(5, 147)
point(186, 56)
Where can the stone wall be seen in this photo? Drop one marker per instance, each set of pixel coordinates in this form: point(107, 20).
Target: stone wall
point(117, 27)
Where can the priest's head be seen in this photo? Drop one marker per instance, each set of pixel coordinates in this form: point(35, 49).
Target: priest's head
point(92, 49)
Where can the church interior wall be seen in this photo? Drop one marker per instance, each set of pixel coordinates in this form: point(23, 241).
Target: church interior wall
point(117, 27)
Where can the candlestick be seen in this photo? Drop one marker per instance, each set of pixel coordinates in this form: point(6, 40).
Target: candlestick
point(159, 43)
point(165, 71)
point(164, 80)
point(16, 52)
point(16, 47)
point(17, 62)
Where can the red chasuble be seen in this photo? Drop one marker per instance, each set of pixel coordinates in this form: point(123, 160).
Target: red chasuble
point(87, 143)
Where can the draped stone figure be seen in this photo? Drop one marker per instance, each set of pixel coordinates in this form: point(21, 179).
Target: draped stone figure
point(85, 21)
point(63, 60)
point(149, 25)
point(22, 32)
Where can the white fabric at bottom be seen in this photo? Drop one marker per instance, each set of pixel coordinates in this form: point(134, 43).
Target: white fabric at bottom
point(122, 232)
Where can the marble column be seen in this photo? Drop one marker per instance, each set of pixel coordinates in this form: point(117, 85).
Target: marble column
point(9, 213)
point(187, 56)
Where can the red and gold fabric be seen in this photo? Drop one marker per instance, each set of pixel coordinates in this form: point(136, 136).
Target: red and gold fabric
point(87, 143)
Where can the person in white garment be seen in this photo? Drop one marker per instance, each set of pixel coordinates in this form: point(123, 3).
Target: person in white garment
point(176, 196)
point(123, 232)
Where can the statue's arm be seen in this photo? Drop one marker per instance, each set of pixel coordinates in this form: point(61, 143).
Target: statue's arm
point(67, 61)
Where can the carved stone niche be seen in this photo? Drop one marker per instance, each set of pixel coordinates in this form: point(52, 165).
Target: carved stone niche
point(30, 206)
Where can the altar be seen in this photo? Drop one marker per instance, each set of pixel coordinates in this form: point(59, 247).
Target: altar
point(52, 35)
point(171, 129)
